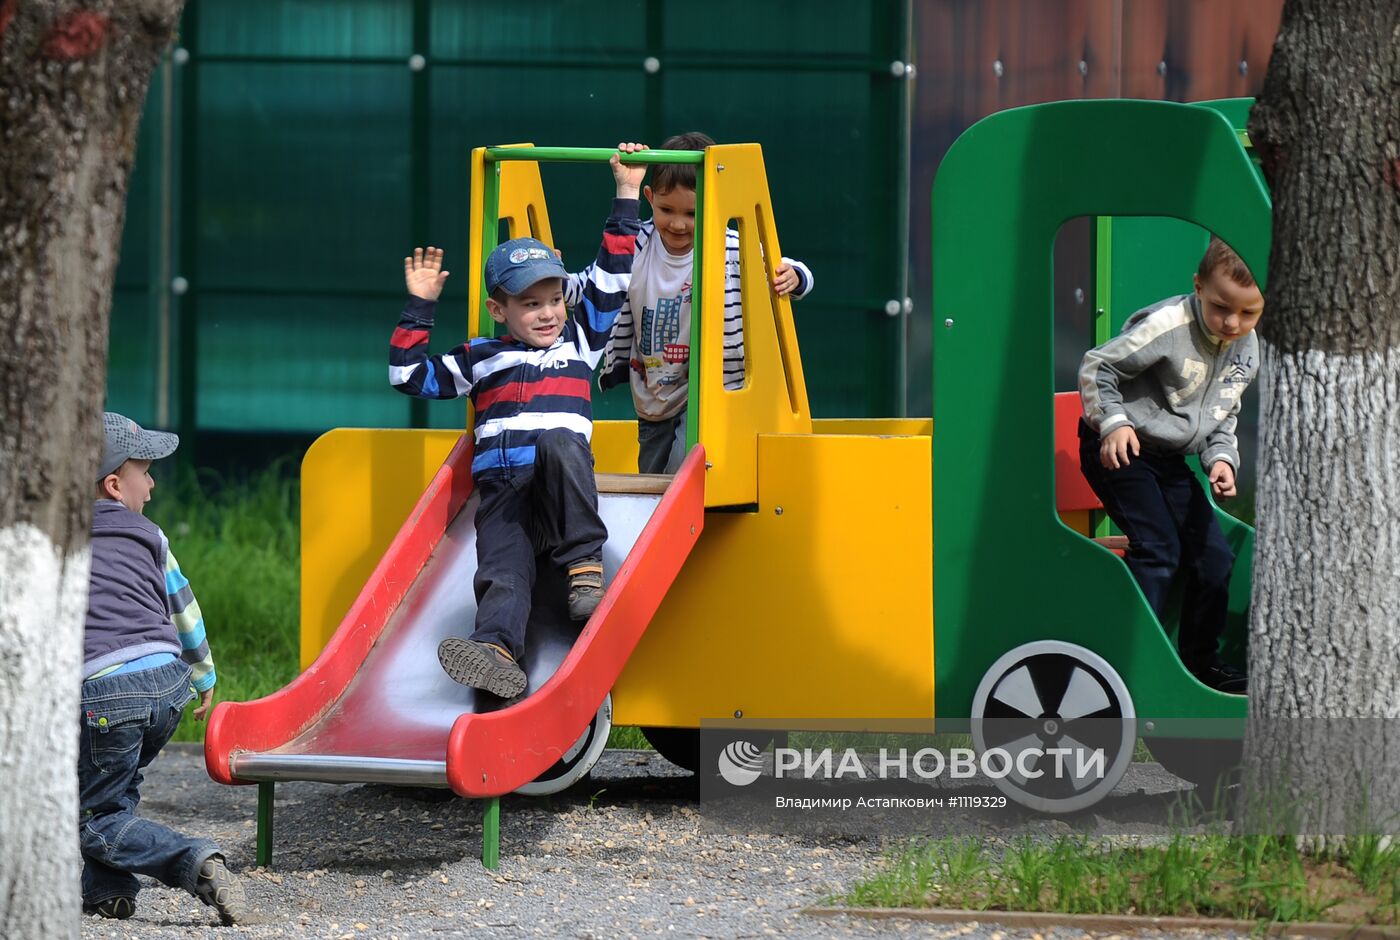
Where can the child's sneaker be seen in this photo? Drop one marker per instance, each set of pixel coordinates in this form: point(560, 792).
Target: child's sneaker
point(481, 666)
point(1223, 677)
point(217, 887)
point(585, 588)
point(118, 908)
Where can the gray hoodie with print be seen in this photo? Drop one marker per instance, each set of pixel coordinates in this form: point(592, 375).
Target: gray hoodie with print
point(1173, 382)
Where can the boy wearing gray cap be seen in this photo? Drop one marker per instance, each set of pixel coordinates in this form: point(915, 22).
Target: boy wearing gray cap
point(145, 657)
point(534, 419)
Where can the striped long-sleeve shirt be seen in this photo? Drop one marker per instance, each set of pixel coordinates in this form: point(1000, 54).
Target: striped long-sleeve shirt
point(619, 355)
point(189, 625)
point(519, 391)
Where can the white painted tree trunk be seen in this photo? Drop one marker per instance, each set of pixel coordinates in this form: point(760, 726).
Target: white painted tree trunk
point(1322, 747)
point(72, 84)
point(43, 596)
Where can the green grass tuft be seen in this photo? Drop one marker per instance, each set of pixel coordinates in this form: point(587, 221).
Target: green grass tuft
point(1257, 878)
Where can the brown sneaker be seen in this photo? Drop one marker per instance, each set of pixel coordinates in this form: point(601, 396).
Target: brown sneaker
point(481, 666)
point(217, 887)
point(585, 588)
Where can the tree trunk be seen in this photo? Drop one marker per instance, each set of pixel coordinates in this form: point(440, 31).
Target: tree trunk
point(73, 78)
point(1322, 747)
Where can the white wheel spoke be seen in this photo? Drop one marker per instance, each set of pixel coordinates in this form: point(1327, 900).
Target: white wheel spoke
point(1015, 748)
point(1072, 763)
point(1083, 696)
point(1017, 691)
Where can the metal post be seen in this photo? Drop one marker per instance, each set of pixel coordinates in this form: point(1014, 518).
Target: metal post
point(186, 221)
point(265, 796)
point(697, 318)
point(491, 834)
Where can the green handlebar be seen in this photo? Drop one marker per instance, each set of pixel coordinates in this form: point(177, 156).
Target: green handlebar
point(590, 155)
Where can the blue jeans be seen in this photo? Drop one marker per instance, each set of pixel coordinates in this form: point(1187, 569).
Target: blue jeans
point(124, 721)
point(661, 444)
point(1172, 531)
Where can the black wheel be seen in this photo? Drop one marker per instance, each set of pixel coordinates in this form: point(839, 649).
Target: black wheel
point(682, 746)
point(1063, 722)
point(1213, 765)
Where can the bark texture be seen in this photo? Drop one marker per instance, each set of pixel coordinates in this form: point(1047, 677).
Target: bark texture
point(1323, 748)
point(73, 79)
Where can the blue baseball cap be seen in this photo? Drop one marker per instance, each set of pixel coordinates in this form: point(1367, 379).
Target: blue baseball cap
point(520, 262)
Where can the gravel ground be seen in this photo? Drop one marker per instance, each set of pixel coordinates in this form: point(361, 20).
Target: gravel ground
point(626, 853)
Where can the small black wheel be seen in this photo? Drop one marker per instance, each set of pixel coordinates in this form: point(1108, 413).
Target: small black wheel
point(683, 746)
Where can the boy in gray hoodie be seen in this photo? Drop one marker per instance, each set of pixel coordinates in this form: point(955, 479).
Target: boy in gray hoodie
point(144, 658)
point(1170, 385)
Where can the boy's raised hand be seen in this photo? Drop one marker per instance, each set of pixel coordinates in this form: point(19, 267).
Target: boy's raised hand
point(1222, 479)
point(423, 273)
point(1113, 449)
point(628, 176)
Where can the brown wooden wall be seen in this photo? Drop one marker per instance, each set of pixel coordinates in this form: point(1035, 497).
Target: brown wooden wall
point(975, 57)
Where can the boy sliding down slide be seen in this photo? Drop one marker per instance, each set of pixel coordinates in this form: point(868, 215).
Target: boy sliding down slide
point(530, 391)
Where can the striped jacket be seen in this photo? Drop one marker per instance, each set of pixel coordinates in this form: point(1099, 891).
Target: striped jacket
point(519, 391)
point(619, 352)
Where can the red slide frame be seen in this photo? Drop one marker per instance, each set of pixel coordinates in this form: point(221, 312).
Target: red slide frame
point(488, 754)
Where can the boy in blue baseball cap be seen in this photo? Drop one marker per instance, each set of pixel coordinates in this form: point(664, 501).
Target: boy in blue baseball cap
point(534, 419)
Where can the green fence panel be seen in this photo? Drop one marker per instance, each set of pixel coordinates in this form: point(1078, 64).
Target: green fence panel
point(314, 143)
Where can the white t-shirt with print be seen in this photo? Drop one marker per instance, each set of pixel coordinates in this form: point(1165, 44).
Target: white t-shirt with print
point(660, 305)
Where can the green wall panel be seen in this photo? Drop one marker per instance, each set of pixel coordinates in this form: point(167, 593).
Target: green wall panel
point(132, 377)
point(355, 28)
point(303, 176)
point(733, 27)
point(307, 156)
point(504, 28)
point(297, 362)
point(1153, 258)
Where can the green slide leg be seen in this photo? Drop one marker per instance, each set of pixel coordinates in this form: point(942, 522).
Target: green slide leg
point(491, 834)
point(265, 793)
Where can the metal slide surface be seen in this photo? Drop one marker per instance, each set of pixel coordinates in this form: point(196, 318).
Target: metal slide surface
point(401, 720)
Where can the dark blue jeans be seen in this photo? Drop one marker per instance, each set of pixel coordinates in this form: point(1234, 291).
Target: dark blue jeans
point(552, 511)
point(1160, 506)
point(124, 722)
point(661, 444)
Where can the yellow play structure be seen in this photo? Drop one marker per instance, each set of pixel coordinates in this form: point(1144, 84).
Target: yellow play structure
point(788, 575)
point(777, 593)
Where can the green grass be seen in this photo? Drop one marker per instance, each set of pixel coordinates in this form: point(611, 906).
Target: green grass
point(238, 543)
point(1245, 878)
point(626, 736)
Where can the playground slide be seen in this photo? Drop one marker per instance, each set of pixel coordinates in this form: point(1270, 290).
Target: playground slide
point(377, 707)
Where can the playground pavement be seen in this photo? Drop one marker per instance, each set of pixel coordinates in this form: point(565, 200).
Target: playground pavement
point(625, 853)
